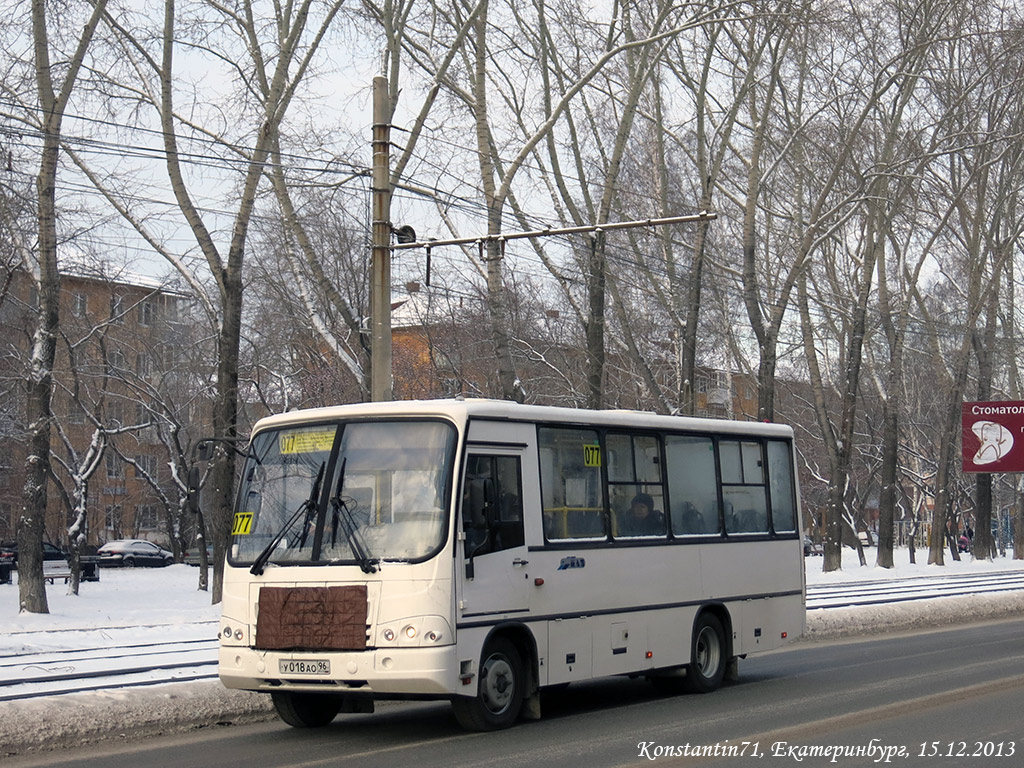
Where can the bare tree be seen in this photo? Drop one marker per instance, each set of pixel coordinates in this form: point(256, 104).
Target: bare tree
point(272, 64)
point(53, 96)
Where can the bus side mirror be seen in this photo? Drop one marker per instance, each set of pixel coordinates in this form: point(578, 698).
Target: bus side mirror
point(193, 490)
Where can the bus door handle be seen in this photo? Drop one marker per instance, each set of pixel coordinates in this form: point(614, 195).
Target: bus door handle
point(519, 561)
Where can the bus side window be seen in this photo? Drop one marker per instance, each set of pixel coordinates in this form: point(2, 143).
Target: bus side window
point(692, 485)
point(492, 509)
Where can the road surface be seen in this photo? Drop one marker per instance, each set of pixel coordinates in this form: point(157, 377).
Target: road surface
point(933, 698)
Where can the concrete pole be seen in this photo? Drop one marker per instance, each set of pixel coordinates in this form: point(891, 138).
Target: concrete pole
point(380, 286)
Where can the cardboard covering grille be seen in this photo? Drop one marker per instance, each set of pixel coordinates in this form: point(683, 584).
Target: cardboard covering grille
point(314, 618)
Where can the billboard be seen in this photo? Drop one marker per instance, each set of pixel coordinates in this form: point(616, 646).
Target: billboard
point(992, 436)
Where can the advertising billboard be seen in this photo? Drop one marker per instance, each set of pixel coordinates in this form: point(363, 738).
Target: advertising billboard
point(992, 436)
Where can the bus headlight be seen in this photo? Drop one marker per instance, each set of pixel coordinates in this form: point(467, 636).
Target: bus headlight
point(234, 633)
point(417, 632)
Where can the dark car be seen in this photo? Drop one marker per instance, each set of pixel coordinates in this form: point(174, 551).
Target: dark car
point(129, 553)
point(6, 564)
point(51, 553)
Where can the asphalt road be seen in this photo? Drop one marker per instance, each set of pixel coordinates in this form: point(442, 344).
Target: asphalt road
point(934, 698)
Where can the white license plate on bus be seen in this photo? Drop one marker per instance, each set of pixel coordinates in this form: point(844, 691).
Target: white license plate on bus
point(304, 666)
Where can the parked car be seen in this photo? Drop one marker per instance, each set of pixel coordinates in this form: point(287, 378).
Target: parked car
point(7, 555)
point(129, 553)
point(6, 564)
point(813, 550)
point(192, 557)
point(51, 554)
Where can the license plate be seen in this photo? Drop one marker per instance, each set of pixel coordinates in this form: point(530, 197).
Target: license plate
point(304, 666)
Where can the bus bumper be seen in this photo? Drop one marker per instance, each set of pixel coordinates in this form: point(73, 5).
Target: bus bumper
point(391, 672)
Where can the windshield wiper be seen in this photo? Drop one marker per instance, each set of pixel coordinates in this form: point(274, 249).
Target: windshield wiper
point(307, 507)
point(348, 525)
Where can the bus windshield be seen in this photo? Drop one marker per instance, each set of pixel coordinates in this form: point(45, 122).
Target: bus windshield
point(343, 493)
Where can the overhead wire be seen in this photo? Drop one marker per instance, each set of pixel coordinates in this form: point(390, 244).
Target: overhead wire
point(452, 200)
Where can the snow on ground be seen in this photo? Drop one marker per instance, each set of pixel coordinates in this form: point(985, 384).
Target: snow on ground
point(148, 605)
point(907, 616)
point(853, 571)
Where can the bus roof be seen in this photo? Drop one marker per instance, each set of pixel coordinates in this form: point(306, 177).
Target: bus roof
point(462, 410)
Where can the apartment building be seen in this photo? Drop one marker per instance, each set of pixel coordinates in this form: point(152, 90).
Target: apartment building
point(123, 366)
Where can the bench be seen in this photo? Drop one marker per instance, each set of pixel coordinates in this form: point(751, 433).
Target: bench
point(90, 571)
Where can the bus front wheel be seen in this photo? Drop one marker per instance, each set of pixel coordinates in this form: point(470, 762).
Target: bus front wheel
point(306, 710)
point(708, 658)
point(499, 694)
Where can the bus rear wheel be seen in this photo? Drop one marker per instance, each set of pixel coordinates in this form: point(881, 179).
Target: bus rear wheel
point(499, 694)
point(708, 656)
point(306, 710)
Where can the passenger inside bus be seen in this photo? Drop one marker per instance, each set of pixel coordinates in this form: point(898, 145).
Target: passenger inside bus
point(641, 519)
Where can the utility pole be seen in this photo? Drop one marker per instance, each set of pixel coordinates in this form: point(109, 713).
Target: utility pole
point(380, 286)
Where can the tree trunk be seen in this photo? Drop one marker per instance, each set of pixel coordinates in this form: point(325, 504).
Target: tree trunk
point(31, 587)
point(983, 350)
point(889, 493)
point(225, 421)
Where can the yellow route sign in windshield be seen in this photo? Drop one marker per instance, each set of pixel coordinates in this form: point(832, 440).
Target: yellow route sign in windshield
point(306, 441)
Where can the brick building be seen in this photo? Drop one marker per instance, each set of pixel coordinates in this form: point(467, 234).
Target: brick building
point(122, 363)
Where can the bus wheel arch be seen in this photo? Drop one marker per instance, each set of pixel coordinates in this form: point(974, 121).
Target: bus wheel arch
point(508, 658)
point(710, 650)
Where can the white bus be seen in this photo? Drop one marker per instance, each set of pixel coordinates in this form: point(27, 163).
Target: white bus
point(479, 551)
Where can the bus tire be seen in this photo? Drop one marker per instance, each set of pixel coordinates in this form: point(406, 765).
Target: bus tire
point(708, 657)
point(306, 710)
point(500, 688)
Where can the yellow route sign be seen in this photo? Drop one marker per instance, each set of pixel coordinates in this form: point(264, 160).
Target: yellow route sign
point(242, 524)
point(306, 441)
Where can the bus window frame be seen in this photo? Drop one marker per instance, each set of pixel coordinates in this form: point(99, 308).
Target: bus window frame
point(723, 535)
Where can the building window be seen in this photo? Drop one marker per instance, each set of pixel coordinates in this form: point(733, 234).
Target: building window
point(147, 313)
point(145, 517)
point(112, 518)
point(115, 469)
point(145, 464)
point(79, 304)
point(116, 309)
point(76, 415)
point(116, 361)
point(115, 414)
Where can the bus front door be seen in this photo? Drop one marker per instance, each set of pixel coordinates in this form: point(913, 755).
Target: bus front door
point(496, 577)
